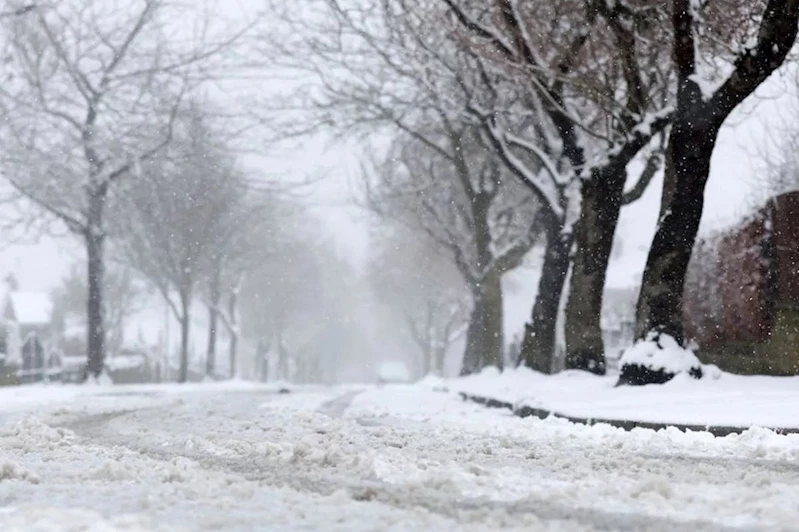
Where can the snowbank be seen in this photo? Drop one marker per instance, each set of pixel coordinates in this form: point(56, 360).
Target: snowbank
point(660, 353)
point(723, 400)
point(656, 360)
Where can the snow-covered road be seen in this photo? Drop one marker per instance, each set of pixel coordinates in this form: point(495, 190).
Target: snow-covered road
point(396, 458)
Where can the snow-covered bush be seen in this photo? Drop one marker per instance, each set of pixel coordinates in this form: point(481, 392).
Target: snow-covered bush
point(656, 360)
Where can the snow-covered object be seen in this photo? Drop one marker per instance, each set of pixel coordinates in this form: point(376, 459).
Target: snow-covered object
point(394, 371)
point(125, 362)
point(659, 354)
point(32, 308)
point(100, 380)
point(433, 383)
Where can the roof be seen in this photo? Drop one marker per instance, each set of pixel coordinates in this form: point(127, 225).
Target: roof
point(31, 308)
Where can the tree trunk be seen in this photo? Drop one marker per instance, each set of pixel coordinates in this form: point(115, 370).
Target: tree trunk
point(440, 356)
point(484, 335)
point(185, 324)
point(210, 357)
point(233, 331)
point(213, 321)
point(660, 302)
point(282, 357)
point(263, 361)
point(538, 344)
point(594, 232)
point(95, 243)
point(427, 359)
point(697, 121)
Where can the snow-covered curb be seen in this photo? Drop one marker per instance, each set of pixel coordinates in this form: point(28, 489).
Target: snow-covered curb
point(725, 404)
point(624, 424)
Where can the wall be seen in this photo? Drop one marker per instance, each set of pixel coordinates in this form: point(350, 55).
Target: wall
point(742, 293)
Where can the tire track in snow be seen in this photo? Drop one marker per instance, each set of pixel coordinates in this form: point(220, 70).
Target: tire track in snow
point(315, 478)
point(338, 405)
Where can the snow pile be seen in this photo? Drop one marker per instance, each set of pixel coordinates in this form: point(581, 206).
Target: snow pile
point(36, 518)
point(723, 399)
point(103, 379)
point(394, 372)
point(660, 352)
point(511, 385)
point(13, 471)
point(433, 383)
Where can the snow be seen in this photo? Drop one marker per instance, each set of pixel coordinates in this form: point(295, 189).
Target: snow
point(722, 399)
point(240, 456)
point(660, 352)
point(125, 362)
point(394, 371)
point(68, 361)
point(31, 308)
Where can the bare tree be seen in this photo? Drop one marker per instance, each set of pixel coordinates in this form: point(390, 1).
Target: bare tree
point(412, 278)
point(545, 97)
point(395, 73)
point(123, 297)
point(598, 97)
point(452, 188)
point(98, 83)
point(722, 53)
point(299, 302)
point(244, 236)
point(175, 210)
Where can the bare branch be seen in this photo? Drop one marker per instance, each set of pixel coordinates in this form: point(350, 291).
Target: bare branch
point(776, 36)
point(653, 164)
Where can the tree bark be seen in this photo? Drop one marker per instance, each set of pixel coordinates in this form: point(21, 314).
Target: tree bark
point(440, 355)
point(263, 362)
point(660, 302)
point(233, 331)
point(484, 335)
point(95, 244)
point(427, 360)
point(538, 344)
point(282, 357)
point(185, 325)
point(594, 232)
point(213, 322)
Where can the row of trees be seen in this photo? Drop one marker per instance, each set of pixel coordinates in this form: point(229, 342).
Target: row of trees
point(110, 128)
point(511, 123)
point(94, 94)
point(493, 128)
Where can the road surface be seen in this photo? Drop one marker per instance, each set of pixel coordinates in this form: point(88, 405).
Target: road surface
point(354, 459)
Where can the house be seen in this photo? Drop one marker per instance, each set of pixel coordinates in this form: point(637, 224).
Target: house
point(27, 335)
point(129, 362)
point(741, 300)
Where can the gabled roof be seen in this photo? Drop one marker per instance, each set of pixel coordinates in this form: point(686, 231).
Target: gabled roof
point(31, 308)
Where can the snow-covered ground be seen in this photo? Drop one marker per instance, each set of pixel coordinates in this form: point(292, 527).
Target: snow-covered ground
point(239, 457)
point(719, 399)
